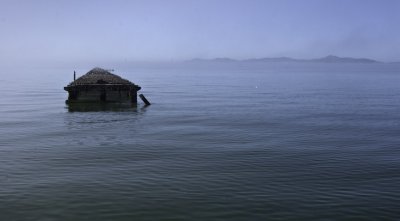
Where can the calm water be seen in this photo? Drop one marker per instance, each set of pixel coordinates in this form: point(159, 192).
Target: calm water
point(220, 142)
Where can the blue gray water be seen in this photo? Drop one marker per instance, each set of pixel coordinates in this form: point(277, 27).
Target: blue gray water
point(220, 142)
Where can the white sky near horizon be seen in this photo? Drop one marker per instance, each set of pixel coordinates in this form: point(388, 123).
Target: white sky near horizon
point(173, 30)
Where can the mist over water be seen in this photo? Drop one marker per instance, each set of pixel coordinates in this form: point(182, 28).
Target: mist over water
point(236, 141)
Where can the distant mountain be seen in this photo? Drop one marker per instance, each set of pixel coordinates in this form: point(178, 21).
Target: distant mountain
point(327, 59)
point(335, 59)
point(224, 60)
point(279, 59)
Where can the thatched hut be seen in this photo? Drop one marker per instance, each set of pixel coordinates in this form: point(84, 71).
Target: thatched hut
point(100, 85)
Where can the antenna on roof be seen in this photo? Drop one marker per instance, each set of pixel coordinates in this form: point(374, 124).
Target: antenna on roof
point(74, 75)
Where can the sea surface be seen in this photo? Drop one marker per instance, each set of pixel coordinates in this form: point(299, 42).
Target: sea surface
point(221, 141)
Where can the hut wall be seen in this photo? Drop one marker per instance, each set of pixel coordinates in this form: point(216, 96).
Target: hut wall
point(88, 96)
point(117, 96)
point(98, 95)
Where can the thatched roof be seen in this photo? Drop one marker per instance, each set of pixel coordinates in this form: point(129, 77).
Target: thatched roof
point(99, 76)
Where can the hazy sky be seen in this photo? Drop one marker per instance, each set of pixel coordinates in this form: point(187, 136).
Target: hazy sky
point(117, 30)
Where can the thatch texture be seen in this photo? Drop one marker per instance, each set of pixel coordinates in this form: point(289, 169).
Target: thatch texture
point(99, 76)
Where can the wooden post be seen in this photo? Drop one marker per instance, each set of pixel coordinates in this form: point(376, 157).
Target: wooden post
point(144, 99)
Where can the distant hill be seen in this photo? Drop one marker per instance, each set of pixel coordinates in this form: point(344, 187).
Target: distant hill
point(335, 59)
point(279, 59)
point(327, 59)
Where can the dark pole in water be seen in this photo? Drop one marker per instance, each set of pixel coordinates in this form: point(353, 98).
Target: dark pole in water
point(74, 75)
point(144, 99)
